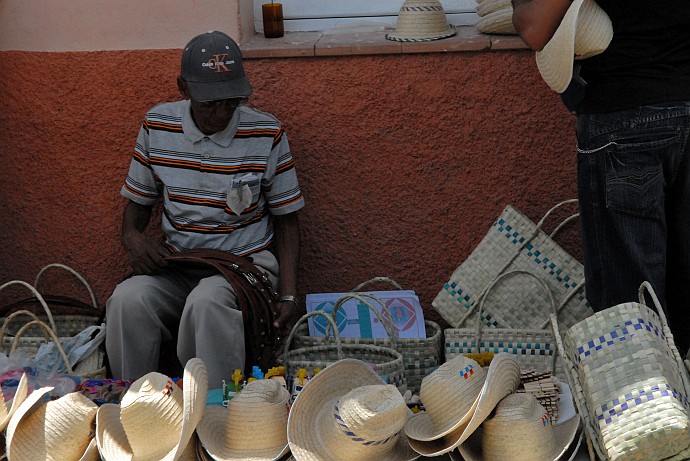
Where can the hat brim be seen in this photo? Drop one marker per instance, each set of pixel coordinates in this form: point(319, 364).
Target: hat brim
point(211, 432)
point(502, 379)
point(564, 434)
point(323, 391)
point(19, 396)
point(110, 434)
point(215, 91)
point(403, 37)
point(27, 407)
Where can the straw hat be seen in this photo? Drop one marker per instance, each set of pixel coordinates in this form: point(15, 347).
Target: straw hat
point(585, 31)
point(458, 397)
point(421, 21)
point(489, 6)
point(520, 431)
point(153, 409)
point(347, 413)
point(252, 427)
point(497, 22)
point(58, 430)
point(7, 409)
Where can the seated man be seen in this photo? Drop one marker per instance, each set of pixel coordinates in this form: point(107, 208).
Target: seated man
point(227, 182)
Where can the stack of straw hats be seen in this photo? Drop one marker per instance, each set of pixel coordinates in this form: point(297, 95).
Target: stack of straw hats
point(421, 21)
point(495, 17)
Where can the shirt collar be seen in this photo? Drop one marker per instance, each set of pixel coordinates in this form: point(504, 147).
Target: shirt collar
point(222, 138)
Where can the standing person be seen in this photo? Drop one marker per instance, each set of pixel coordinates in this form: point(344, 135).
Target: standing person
point(633, 122)
point(226, 179)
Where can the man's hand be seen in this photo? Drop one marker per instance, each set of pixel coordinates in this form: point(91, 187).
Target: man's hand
point(286, 315)
point(146, 256)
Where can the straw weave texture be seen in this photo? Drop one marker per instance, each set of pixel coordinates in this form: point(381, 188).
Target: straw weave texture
point(629, 383)
point(514, 242)
point(386, 362)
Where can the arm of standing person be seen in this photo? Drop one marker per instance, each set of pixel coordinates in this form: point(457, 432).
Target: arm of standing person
point(145, 254)
point(537, 20)
point(287, 235)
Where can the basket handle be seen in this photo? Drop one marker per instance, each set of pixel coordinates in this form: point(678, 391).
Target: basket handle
point(50, 332)
point(361, 297)
point(375, 280)
point(522, 247)
point(79, 277)
point(304, 318)
point(37, 295)
point(647, 287)
point(9, 319)
point(552, 304)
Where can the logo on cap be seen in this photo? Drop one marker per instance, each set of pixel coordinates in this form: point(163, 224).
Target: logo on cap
point(218, 63)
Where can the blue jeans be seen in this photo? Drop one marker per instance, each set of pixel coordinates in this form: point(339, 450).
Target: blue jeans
point(634, 194)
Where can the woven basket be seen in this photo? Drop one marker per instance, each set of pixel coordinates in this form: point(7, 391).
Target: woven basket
point(386, 362)
point(421, 356)
point(66, 316)
point(629, 382)
point(89, 368)
point(534, 349)
point(515, 243)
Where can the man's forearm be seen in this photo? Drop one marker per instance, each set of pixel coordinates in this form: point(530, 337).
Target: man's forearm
point(537, 20)
point(287, 235)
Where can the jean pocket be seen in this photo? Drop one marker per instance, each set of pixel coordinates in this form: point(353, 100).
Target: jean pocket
point(635, 180)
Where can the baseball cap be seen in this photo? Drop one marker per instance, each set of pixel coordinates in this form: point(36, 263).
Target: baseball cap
point(212, 67)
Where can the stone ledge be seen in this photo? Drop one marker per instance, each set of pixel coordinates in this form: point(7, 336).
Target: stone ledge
point(309, 44)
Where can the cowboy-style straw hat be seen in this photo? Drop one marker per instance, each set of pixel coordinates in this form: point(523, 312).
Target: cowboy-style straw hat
point(520, 431)
point(52, 429)
point(585, 31)
point(7, 409)
point(347, 413)
point(153, 409)
point(421, 21)
point(458, 397)
point(253, 427)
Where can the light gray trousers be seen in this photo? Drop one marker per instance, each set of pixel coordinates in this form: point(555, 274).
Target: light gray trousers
point(197, 309)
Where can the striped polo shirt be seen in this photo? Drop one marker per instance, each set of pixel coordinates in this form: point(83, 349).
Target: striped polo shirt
point(193, 173)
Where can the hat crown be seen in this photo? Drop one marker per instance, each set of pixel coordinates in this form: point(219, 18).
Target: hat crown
point(519, 430)
point(593, 31)
point(257, 417)
point(212, 66)
point(421, 20)
point(373, 412)
point(149, 401)
point(450, 391)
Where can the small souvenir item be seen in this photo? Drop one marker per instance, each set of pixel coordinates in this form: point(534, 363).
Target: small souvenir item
point(257, 373)
point(298, 383)
point(278, 374)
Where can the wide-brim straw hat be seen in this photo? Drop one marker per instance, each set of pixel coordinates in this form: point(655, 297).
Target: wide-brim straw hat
point(585, 31)
point(445, 424)
point(59, 429)
point(253, 427)
point(421, 21)
point(155, 419)
point(7, 409)
point(347, 412)
point(520, 430)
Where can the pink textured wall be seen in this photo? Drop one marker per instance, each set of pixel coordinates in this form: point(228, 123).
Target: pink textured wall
point(405, 160)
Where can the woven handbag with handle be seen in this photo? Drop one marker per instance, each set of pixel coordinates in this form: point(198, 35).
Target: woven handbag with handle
point(534, 349)
point(65, 315)
point(515, 243)
point(386, 362)
point(629, 383)
point(421, 356)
